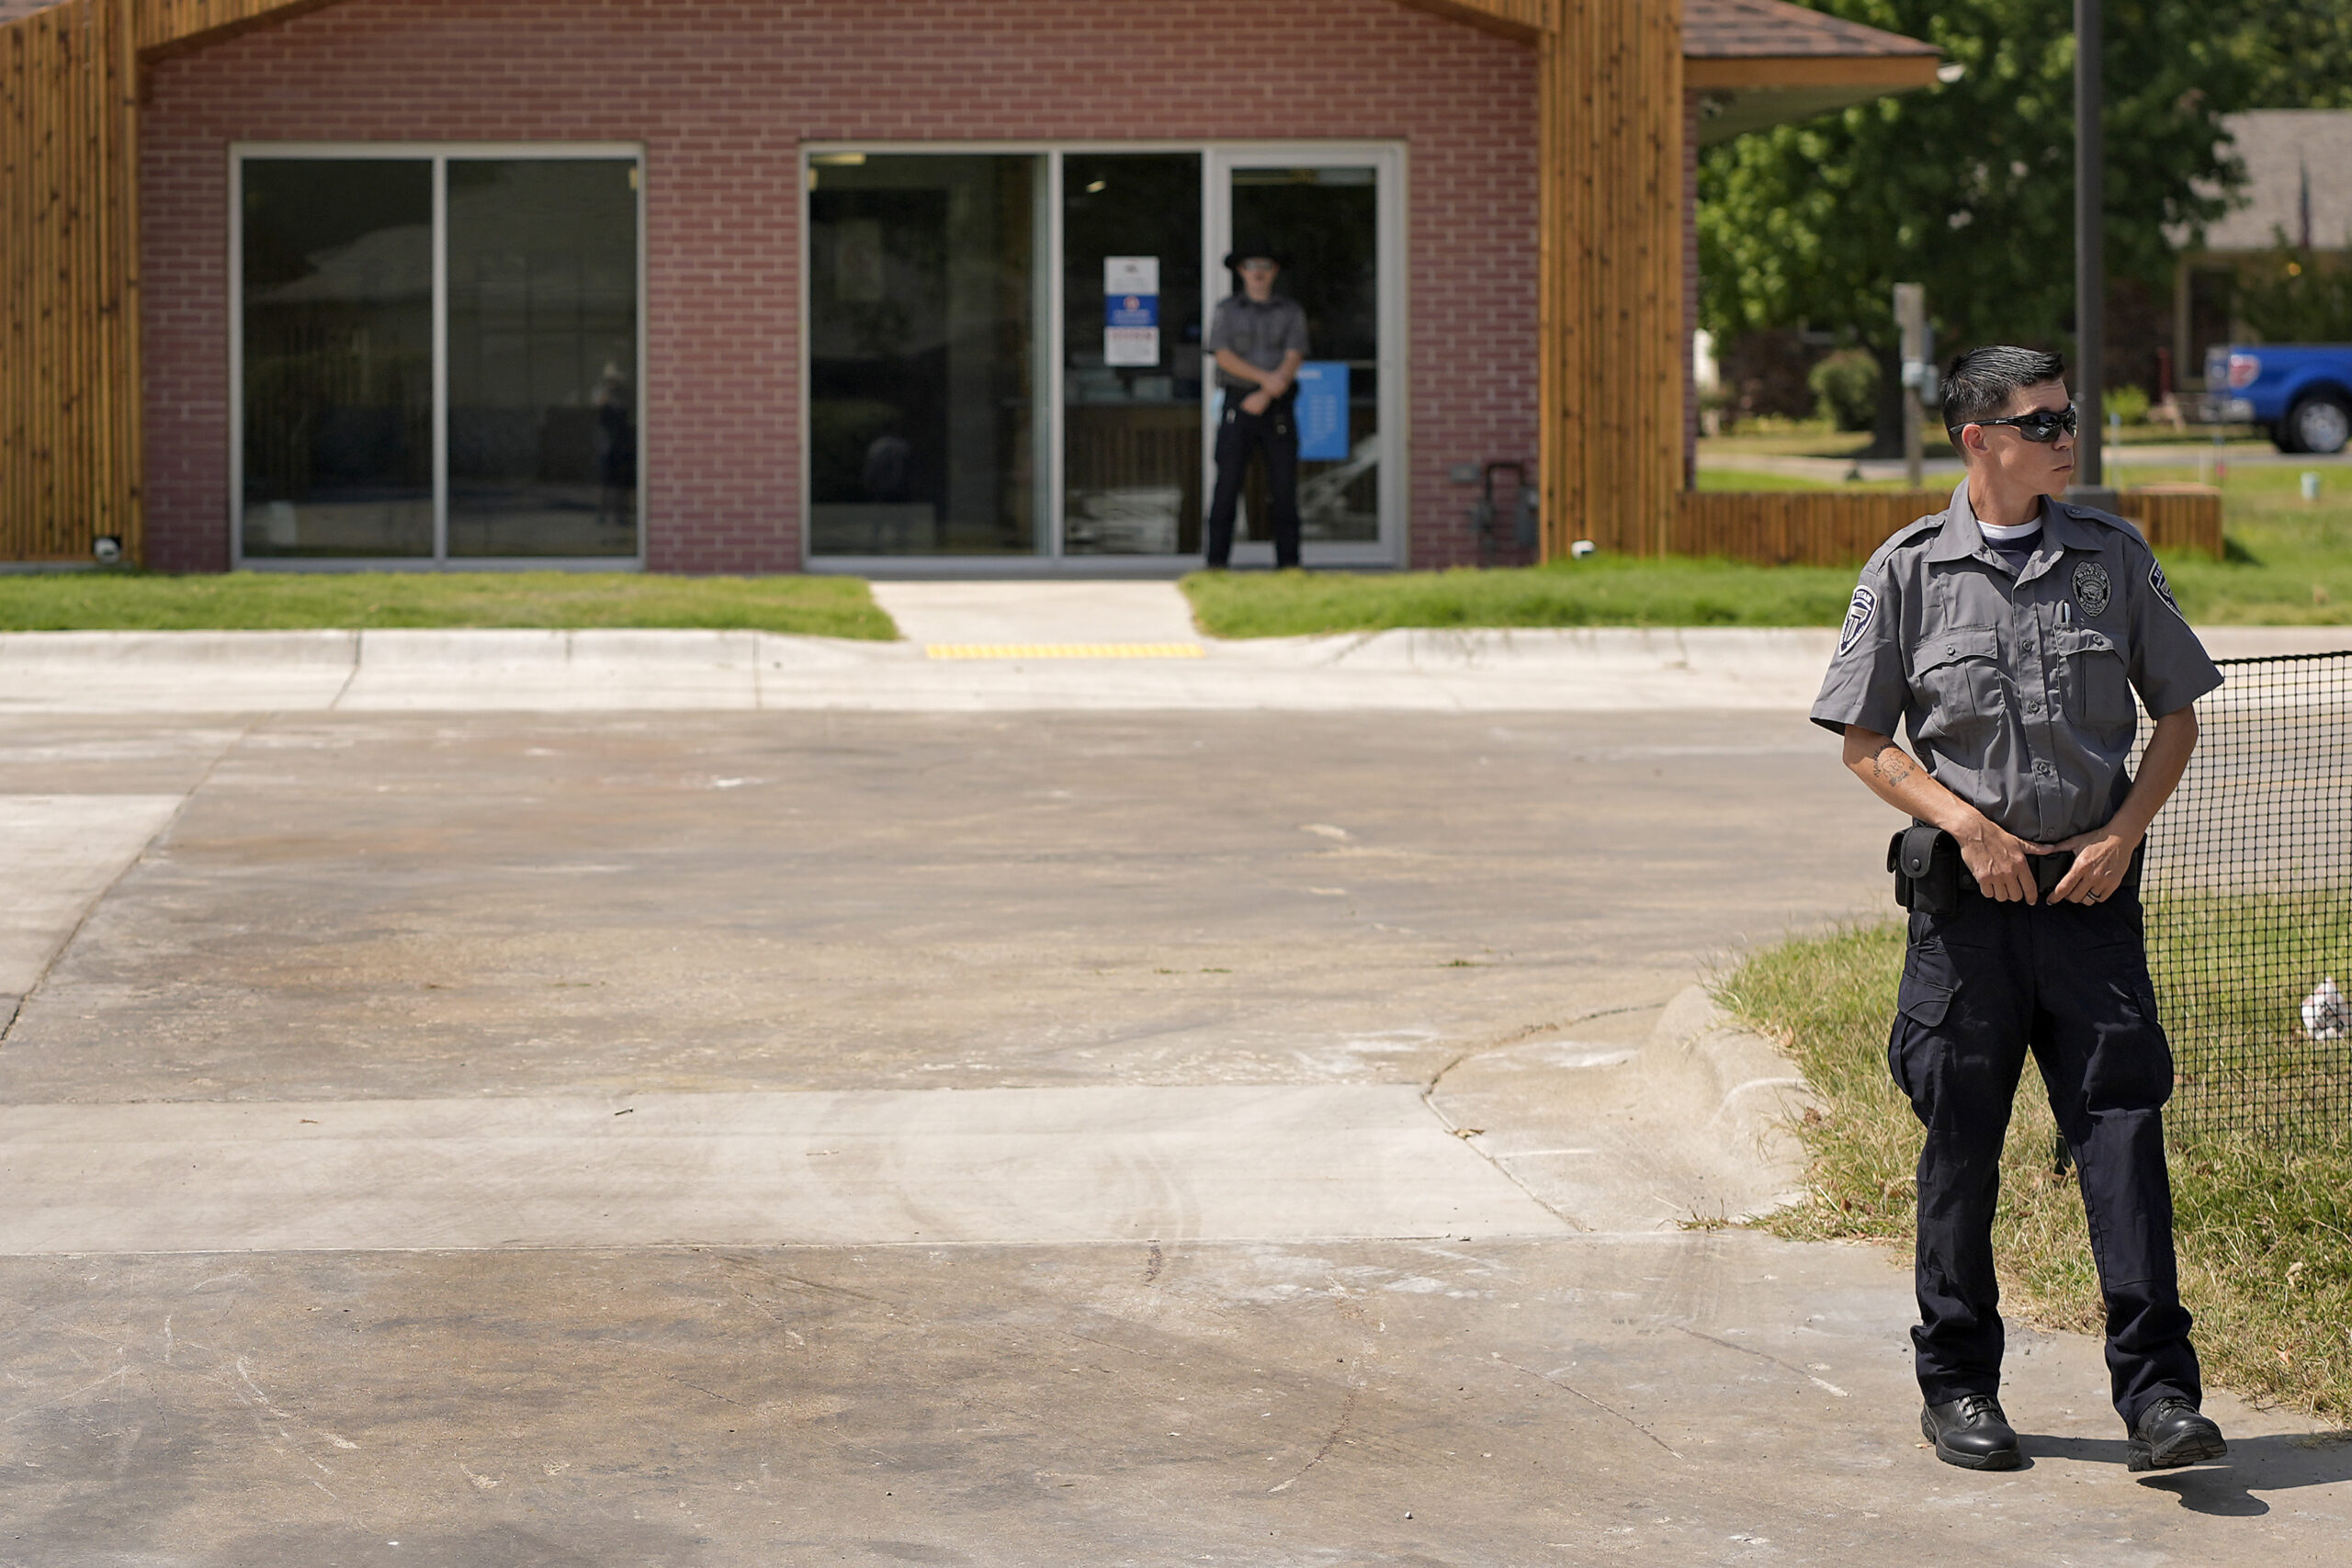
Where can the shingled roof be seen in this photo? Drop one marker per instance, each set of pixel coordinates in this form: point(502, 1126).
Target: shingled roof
point(2294, 185)
point(1760, 62)
point(1749, 29)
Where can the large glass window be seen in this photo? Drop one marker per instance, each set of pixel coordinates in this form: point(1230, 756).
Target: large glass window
point(365, 283)
point(925, 271)
point(542, 357)
point(1131, 352)
point(338, 358)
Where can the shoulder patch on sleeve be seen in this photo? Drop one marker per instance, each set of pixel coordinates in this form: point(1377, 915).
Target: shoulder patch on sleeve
point(2164, 590)
point(1858, 616)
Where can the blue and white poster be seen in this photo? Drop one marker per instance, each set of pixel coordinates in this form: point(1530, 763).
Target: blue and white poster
point(1131, 310)
point(1322, 411)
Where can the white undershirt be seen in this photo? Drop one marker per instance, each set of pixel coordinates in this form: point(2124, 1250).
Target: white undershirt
point(2008, 536)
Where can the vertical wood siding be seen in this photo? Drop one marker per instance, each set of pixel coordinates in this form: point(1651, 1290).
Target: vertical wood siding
point(1611, 325)
point(68, 368)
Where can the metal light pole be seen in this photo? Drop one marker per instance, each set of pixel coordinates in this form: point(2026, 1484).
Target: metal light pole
point(2090, 256)
point(1918, 355)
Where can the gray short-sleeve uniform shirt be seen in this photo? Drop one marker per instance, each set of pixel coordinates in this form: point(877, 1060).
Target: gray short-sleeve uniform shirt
point(1259, 333)
point(2016, 686)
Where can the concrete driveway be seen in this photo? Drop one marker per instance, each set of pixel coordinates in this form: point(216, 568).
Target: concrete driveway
point(1023, 1136)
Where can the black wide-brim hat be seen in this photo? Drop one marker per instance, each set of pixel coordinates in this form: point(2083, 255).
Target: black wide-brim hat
point(1239, 253)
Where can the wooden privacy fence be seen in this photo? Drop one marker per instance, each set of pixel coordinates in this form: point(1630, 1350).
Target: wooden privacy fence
point(1833, 527)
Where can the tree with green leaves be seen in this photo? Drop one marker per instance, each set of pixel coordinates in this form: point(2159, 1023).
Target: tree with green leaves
point(1969, 186)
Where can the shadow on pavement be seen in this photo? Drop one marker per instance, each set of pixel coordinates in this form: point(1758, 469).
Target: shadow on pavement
point(2275, 1463)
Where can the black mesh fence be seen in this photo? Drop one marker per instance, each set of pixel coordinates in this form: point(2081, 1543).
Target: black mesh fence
point(2249, 891)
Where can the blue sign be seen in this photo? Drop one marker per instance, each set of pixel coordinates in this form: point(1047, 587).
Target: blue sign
point(1131, 310)
point(1322, 411)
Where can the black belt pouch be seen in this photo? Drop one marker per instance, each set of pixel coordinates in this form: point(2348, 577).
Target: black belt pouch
point(1925, 862)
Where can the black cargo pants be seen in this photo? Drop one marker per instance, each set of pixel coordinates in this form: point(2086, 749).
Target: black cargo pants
point(1238, 434)
point(1981, 986)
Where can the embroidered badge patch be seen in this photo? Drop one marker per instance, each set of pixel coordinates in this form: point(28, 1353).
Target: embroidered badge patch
point(2164, 590)
point(2091, 587)
point(1859, 615)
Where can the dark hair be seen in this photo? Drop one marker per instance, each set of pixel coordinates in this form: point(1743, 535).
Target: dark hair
point(1980, 382)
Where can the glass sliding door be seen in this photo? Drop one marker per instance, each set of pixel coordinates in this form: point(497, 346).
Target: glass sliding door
point(543, 379)
point(926, 273)
point(1131, 352)
point(336, 405)
point(1004, 351)
point(1325, 221)
point(437, 355)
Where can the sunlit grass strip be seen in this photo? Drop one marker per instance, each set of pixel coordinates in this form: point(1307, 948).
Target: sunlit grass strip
point(2266, 1247)
point(1614, 590)
point(367, 601)
point(1063, 650)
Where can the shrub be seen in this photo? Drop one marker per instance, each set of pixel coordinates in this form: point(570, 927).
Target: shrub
point(2129, 404)
point(1847, 385)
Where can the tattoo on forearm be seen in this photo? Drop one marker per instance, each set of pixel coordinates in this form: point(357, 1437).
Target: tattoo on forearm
point(1892, 766)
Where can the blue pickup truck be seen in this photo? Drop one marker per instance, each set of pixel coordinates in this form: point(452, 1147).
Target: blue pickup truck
point(2301, 394)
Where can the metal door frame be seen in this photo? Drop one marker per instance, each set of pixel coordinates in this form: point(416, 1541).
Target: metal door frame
point(1387, 161)
point(1218, 160)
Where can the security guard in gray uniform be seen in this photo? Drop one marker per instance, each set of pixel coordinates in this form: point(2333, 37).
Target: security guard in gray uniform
point(1258, 339)
point(2009, 631)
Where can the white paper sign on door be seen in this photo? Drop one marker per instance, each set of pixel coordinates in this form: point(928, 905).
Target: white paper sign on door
point(1131, 310)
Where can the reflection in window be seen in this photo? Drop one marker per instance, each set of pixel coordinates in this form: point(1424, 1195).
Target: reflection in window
point(543, 385)
point(1132, 436)
point(923, 276)
point(338, 358)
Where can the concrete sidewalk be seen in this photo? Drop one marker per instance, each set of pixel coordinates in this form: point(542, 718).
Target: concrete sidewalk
point(1595, 671)
point(721, 1140)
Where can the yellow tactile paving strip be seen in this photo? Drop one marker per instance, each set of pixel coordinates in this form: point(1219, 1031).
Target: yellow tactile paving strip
point(1063, 650)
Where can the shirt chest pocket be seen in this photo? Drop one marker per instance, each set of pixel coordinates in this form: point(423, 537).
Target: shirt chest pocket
point(2098, 687)
point(1956, 677)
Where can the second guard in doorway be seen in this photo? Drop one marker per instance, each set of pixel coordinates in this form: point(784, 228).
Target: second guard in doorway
point(1258, 339)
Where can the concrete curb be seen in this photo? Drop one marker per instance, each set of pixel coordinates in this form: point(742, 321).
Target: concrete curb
point(1744, 1093)
point(1695, 1123)
point(1590, 670)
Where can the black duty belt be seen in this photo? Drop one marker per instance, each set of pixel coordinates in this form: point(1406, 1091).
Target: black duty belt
point(1932, 879)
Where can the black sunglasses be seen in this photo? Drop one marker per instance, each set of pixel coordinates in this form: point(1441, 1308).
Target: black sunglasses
point(2039, 425)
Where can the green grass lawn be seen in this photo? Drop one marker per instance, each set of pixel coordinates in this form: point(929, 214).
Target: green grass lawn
point(1609, 591)
point(125, 601)
point(2290, 561)
point(2266, 1247)
point(2291, 564)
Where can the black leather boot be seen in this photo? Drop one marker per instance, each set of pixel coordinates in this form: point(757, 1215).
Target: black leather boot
point(1972, 1433)
point(2171, 1433)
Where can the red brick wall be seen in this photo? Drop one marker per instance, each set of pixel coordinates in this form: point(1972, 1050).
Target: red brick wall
point(722, 94)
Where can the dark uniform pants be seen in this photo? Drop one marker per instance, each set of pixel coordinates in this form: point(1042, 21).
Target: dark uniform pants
point(1274, 433)
point(2069, 982)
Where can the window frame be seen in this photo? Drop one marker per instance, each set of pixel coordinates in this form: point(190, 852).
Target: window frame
point(1218, 159)
point(438, 153)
